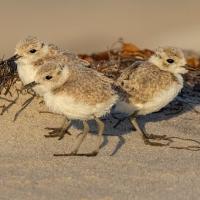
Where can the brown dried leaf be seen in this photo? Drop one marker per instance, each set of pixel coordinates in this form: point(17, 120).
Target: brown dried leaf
point(128, 49)
point(193, 63)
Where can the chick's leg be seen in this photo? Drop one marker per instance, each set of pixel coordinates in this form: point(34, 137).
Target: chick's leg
point(82, 137)
point(99, 139)
point(80, 141)
point(60, 132)
point(101, 127)
point(146, 137)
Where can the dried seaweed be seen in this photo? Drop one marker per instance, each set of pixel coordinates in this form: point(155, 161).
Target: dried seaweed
point(112, 62)
point(8, 76)
point(118, 57)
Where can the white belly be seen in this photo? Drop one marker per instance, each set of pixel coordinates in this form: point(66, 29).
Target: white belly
point(160, 100)
point(77, 110)
point(26, 73)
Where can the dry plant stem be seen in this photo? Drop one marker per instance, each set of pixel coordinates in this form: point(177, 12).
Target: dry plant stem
point(6, 108)
point(24, 105)
point(8, 100)
point(48, 112)
point(189, 148)
point(12, 82)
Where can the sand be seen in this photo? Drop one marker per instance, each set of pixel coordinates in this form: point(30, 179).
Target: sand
point(125, 168)
point(135, 171)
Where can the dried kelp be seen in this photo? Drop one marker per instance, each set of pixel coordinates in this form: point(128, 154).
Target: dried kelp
point(120, 56)
point(112, 62)
point(8, 76)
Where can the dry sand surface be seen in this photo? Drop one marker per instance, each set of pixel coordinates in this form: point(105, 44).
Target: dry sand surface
point(28, 169)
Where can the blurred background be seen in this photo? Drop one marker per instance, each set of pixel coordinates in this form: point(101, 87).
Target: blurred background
point(86, 26)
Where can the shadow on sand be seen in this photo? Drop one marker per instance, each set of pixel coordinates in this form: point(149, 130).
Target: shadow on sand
point(185, 102)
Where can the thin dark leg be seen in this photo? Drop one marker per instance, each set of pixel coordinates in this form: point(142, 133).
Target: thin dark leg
point(120, 120)
point(80, 141)
point(100, 135)
point(146, 137)
point(99, 139)
point(60, 133)
point(82, 137)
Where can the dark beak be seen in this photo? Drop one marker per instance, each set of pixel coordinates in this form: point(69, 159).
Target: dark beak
point(13, 58)
point(30, 85)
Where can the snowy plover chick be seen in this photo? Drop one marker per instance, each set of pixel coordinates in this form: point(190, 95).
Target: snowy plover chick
point(78, 93)
point(152, 85)
point(32, 53)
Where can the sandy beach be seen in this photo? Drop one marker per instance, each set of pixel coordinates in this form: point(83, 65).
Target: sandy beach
point(126, 168)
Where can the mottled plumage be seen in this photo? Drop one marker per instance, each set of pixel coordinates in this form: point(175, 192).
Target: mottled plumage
point(76, 92)
point(84, 85)
point(144, 81)
point(68, 87)
point(152, 84)
point(32, 53)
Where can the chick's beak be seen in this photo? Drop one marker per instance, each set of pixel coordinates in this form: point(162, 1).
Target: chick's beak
point(30, 85)
point(14, 58)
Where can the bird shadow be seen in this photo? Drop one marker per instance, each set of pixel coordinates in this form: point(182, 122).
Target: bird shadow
point(174, 109)
point(109, 131)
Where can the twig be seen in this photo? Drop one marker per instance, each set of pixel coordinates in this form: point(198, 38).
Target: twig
point(6, 108)
point(24, 105)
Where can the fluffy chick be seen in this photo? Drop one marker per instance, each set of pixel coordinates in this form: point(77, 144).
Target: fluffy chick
point(151, 85)
point(76, 92)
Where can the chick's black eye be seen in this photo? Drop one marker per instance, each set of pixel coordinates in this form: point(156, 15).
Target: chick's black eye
point(48, 77)
point(170, 61)
point(32, 50)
